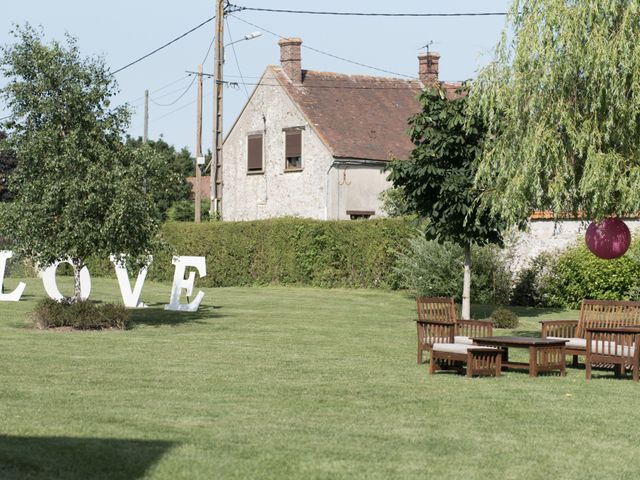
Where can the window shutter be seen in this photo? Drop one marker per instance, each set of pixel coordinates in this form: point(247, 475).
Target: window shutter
point(254, 152)
point(294, 144)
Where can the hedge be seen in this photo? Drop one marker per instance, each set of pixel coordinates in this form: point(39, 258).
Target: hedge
point(286, 251)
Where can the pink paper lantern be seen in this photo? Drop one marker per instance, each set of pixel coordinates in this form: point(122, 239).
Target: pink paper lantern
point(608, 239)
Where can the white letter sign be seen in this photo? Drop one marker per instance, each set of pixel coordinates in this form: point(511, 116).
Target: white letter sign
point(130, 298)
point(180, 283)
point(51, 287)
point(17, 293)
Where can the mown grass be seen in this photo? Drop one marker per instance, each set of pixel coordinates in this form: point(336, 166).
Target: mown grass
point(290, 383)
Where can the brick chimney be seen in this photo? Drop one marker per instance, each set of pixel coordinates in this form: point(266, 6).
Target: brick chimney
point(428, 68)
point(290, 58)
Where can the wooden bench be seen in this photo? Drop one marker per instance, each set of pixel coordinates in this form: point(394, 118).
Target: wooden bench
point(618, 347)
point(438, 323)
point(593, 314)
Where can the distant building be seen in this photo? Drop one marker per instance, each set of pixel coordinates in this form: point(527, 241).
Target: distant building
point(315, 144)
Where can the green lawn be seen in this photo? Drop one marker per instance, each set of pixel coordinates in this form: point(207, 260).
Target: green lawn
point(290, 383)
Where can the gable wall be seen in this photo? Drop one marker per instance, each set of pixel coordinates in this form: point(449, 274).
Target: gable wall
point(274, 193)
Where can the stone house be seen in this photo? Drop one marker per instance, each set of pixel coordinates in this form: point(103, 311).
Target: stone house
point(315, 144)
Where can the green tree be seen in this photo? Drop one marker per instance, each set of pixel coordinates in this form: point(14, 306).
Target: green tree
point(7, 164)
point(177, 165)
point(79, 190)
point(438, 178)
point(561, 103)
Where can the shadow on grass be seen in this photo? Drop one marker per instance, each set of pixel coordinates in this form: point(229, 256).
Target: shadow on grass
point(155, 315)
point(43, 458)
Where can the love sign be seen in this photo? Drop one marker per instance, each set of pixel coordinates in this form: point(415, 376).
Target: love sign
point(130, 296)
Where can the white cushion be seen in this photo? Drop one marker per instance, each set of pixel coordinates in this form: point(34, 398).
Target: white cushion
point(597, 347)
point(457, 347)
point(610, 348)
point(462, 340)
point(572, 342)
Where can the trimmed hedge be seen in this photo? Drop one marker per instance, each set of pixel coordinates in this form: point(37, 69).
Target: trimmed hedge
point(285, 251)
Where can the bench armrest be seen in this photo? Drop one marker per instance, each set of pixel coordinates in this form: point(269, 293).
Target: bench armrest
point(435, 332)
point(474, 328)
point(619, 342)
point(559, 328)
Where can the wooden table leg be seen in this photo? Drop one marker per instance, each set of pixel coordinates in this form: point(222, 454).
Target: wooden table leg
point(563, 363)
point(505, 356)
point(533, 361)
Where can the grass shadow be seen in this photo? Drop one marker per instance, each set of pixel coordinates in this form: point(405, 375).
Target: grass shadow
point(155, 315)
point(41, 458)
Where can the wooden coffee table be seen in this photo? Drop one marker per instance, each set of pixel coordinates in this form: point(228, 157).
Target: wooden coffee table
point(544, 355)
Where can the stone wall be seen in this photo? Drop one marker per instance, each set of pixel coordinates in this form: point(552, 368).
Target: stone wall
point(547, 235)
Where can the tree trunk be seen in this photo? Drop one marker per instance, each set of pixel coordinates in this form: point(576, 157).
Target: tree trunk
point(466, 287)
point(78, 265)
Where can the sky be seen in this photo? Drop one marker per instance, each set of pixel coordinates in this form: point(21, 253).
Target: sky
point(122, 31)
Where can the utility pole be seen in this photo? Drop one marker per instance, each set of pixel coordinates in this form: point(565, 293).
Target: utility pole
point(198, 146)
point(145, 135)
point(216, 161)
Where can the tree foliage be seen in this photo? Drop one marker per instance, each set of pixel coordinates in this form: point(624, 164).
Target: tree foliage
point(561, 102)
point(437, 180)
point(178, 165)
point(7, 164)
point(79, 189)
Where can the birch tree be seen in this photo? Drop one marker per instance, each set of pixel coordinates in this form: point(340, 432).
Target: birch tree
point(78, 189)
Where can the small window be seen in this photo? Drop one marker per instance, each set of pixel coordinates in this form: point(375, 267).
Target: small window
point(254, 153)
point(360, 214)
point(293, 150)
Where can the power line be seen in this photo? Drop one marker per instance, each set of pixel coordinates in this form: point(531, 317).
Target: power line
point(163, 46)
point(184, 92)
point(206, 55)
point(327, 53)
point(239, 8)
point(5, 118)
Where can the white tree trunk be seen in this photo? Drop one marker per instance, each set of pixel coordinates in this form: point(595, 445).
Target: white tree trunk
point(77, 266)
point(466, 287)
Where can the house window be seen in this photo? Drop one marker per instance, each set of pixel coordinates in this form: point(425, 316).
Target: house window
point(254, 153)
point(293, 149)
point(360, 214)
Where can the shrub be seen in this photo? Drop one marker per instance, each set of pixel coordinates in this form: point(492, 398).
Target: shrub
point(529, 285)
point(83, 315)
point(433, 269)
point(491, 279)
point(579, 274)
point(504, 318)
